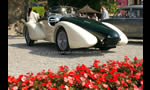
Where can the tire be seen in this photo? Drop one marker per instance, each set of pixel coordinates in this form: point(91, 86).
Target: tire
point(29, 42)
point(62, 42)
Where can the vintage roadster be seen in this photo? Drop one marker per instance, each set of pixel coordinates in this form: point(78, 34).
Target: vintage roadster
point(74, 32)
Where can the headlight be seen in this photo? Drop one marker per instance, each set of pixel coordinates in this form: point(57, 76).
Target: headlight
point(57, 19)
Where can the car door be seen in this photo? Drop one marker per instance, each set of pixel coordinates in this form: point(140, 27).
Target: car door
point(47, 29)
point(136, 23)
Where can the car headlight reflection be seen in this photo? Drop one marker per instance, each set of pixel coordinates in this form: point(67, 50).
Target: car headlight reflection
point(109, 36)
point(57, 19)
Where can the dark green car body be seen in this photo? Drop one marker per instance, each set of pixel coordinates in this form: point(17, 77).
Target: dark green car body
point(107, 37)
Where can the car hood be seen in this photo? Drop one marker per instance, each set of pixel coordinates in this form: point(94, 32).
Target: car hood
point(92, 26)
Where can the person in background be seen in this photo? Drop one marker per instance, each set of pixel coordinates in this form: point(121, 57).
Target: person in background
point(105, 14)
point(88, 17)
point(33, 16)
point(46, 11)
point(72, 11)
point(79, 15)
point(95, 17)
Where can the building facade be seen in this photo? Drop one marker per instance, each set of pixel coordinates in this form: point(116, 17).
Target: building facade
point(135, 2)
point(123, 3)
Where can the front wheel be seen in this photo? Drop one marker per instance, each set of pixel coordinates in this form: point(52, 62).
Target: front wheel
point(62, 41)
point(29, 42)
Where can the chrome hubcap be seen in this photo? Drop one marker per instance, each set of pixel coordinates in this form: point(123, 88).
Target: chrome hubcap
point(62, 40)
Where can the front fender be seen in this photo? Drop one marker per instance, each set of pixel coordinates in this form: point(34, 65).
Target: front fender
point(123, 37)
point(77, 36)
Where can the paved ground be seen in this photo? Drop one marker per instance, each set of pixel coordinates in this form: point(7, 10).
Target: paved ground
point(44, 55)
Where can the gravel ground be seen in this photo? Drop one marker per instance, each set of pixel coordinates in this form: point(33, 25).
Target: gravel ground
point(44, 55)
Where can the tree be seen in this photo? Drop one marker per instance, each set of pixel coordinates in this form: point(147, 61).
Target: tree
point(95, 4)
point(17, 10)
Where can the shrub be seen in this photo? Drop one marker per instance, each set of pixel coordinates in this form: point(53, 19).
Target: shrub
point(114, 75)
point(40, 10)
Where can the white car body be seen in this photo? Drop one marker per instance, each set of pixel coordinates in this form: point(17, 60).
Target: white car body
point(44, 31)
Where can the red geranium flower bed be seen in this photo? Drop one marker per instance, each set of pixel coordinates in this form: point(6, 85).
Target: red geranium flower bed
point(114, 75)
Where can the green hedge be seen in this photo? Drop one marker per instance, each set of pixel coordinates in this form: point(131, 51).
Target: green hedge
point(40, 10)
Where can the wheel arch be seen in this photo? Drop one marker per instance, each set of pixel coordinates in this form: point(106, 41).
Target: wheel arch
point(77, 36)
point(56, 31)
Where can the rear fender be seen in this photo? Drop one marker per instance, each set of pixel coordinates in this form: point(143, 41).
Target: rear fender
point(35, 31)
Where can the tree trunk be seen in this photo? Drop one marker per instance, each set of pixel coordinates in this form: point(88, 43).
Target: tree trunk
point(17, 14)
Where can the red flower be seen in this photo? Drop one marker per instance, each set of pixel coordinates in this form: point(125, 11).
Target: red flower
point(61, 69)
point(138, 75)
point(95, 87)
point(120, 88)
point(50, 76)
point(113, 70)
point(126, 58)
point(122, 81)
point(125, 84)
point(20, 76)
point(135, 58)
point(62, 86)
point(15, 88)
point(44, 76)
point(122, 75)
point(102, 78)
point(53, 89)
point(43, 84)
point(136, 64)
point(96, 75)
point(135, 87)
point(104, 64)
point(132, 76)
point(102, 70)
point(48, 84)
point(117, 82)
point(82, 72)
point(115, 77)
point(82, 79)
point(128, 81)
point(39, 78)
point(25, 88)
point(141, 82)
point(97, 81)
point(105, 85)
point(96, 63)
point(32, 78)
point(77, 77)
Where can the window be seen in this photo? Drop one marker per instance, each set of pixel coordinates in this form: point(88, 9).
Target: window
point(123, 13)
point(137, 13)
